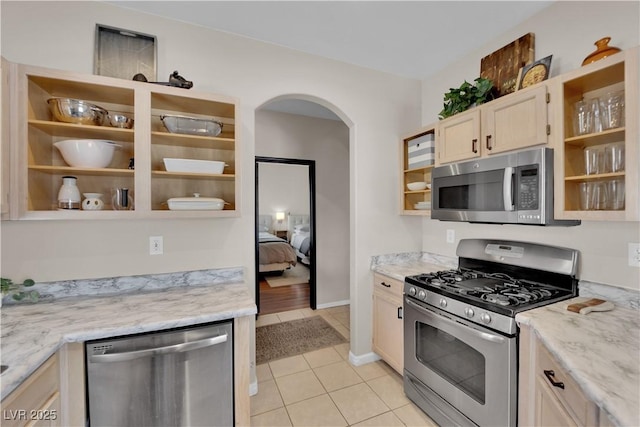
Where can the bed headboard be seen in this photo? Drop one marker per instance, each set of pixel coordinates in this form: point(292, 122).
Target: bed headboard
point(297, 219)
point(264, 222)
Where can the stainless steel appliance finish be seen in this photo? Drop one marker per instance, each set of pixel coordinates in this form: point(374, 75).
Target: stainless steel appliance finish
point(180, 377)
point(515, 188)
point(460, 333)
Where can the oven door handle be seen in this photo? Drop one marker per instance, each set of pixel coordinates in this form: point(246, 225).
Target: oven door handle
point(507, 188)
point(478, 334)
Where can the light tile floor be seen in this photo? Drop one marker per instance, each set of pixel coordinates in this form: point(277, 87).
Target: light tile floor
point(321, 388)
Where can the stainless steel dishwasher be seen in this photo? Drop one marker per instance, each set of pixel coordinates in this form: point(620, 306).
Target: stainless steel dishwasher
point(179, 377)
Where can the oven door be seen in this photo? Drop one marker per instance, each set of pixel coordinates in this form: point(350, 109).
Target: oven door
point(459, 373)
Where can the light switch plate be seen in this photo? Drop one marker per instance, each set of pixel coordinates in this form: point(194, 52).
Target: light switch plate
point(634, 254)
point(451, 236)
point(155, 245)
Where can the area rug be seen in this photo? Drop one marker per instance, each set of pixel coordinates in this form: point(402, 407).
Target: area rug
point(295, 275)
point(295, 337)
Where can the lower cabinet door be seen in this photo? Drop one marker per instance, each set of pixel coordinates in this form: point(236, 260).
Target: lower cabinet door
point(388, 330)
point(549, 410)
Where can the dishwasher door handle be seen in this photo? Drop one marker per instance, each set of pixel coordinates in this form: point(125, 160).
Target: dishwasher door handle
point(176, 348)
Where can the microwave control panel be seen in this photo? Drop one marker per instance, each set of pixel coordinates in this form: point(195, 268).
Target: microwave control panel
point(528, 188)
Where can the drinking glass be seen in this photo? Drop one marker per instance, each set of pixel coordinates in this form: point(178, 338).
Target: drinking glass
point(600, 196)
point(593, 160)
point(581, 121)
point(595, 114)
point(586, 195)
point(612, 109)
point(615, 192)
point(614, 158)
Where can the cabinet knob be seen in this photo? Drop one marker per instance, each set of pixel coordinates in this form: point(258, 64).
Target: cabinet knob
point(399, 312)
point(489, 142)
point(474, 145)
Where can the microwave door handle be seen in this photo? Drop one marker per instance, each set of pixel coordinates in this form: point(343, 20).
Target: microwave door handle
point(507, 188)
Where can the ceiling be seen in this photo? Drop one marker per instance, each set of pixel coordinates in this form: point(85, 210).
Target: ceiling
point(413, 39)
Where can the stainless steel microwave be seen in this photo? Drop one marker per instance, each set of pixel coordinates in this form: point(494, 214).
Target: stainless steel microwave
point(514, 188)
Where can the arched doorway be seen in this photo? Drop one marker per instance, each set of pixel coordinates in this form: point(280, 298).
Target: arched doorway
point(288, 130)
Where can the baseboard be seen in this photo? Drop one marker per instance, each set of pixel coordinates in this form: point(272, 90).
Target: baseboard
point(364, 359)
point(333, 304)
point(253, 388)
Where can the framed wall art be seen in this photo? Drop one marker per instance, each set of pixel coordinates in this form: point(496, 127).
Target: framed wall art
point(123, 53)
point(533, 73)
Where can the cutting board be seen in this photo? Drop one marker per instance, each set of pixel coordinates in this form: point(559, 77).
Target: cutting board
point(502, 66)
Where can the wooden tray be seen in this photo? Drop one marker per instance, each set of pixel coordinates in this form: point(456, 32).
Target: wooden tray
point(502, 66)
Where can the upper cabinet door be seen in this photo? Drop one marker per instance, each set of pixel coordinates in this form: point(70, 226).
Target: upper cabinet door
point(516, 121)
point(459, 137)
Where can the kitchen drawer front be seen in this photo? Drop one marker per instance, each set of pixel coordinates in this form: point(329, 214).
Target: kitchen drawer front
point(581, 408)
point(36, 400)
point(386, 284)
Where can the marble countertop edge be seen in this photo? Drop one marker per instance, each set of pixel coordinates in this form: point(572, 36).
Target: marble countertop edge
point(86, 318)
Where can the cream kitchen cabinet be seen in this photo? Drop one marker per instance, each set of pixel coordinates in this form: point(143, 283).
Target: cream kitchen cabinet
point(38, 167)
point(515, 121)
point(36, 402)
point(388, 340)
point(616, 73)
point(548, 396)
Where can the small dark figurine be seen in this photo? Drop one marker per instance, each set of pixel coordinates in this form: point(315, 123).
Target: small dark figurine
point(175, 80)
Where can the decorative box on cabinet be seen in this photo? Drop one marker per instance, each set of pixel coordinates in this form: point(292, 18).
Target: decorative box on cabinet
point(39, 166)
point(416, 171)
point(388, 341)
point(615, 73)
point(515, 121)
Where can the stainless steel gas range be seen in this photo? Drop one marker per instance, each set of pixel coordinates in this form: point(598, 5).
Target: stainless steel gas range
point(460, 334)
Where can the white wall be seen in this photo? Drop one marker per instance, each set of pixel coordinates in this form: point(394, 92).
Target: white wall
point(566, 29)
point(326, 142)
point(283, 188)
point(377, 108)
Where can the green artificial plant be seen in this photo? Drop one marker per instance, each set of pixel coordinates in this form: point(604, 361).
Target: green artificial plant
point(17, 290)
point(466, 96)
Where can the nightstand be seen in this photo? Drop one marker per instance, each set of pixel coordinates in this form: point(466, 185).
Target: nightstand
point(282, 234)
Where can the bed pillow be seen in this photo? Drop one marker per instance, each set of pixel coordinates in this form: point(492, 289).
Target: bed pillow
point(301, 227)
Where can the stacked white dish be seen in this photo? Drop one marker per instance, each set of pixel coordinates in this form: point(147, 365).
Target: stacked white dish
point(422, 205)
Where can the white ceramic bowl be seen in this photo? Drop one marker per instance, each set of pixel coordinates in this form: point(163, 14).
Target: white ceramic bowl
point(417, 186)
point(193, 166)
point(87, 153)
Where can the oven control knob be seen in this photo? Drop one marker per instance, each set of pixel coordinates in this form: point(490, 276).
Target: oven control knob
point(469, 312)
point(485, 318)
point(412, 291)
point(422, 295)
point(443, 302)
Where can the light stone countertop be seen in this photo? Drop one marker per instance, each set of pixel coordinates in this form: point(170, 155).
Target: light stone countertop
point(31, 333)
point(398, 266)
point(600, 351)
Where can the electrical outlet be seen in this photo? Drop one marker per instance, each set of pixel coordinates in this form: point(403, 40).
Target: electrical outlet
point(155, 245)
point(451, 236)
point(634, 254)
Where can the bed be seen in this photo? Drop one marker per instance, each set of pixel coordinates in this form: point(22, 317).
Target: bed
point(300, 237)
point(275, 254)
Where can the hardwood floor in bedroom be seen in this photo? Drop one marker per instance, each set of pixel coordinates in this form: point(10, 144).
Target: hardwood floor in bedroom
point(283, 298)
